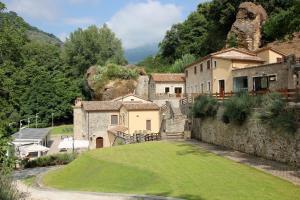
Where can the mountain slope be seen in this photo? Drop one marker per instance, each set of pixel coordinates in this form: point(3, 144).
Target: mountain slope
point(33, 33)
point(137, 54)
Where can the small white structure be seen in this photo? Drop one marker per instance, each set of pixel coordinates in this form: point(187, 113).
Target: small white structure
point(69, 143)
point(28, 142)
point(131, 98)
point(33, 148)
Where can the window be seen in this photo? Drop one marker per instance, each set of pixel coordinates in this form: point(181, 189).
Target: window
point(202, 88)
point(279, 60)
point(201, 67)
point(167, 90)
point(195, 70)
point(272, 78)
point(208, 86)
point(186, 73)
point(131, 99)
point(114, 120)
point(215, 62)
point(148, 125)
point(208, 64)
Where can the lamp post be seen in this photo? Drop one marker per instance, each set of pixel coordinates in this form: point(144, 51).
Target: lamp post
point(52, 119)
point(21, 123)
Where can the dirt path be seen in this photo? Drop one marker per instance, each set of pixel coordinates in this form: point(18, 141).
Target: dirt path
point(31, 193)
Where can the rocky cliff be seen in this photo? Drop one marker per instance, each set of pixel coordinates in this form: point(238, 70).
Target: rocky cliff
point(104, 90)
point(246, 30)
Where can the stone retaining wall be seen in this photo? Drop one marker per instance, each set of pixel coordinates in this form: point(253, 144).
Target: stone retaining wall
point(252, 137)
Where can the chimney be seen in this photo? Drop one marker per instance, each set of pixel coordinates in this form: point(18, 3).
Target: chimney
point(78, 102)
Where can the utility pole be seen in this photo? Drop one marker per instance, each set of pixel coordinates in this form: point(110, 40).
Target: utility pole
point(36, 118)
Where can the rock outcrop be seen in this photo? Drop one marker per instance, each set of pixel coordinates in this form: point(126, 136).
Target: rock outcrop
point(110, 90)
point(246, 30)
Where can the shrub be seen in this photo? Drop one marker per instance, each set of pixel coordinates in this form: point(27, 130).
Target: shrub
point(8, 190)
point(205, 106)
point(276, 114)
point(238, 108)
point(51, 160)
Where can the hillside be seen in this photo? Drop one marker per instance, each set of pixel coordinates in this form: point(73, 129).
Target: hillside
point(291, 46)
point(32, 32)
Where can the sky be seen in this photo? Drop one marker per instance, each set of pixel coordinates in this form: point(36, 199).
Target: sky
point(136, 22)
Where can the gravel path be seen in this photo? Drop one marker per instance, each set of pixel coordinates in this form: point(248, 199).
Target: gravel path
point(278, 169)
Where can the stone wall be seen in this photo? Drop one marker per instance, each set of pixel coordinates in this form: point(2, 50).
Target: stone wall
point(253, 138)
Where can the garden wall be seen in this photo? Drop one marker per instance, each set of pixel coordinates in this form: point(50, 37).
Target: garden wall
point(252, 137)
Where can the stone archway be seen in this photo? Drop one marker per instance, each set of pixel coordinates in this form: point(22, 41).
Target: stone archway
point(99, 142)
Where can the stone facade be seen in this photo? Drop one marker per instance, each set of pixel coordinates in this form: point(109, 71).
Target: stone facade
point(253, 138)
point(91, 125)
point(280, 75)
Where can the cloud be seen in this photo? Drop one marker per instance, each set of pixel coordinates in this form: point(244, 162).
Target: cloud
point(36, 9)
point(80, 21)
point(144, 23)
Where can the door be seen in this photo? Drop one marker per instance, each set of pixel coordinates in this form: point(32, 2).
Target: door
point(148, 125)
point(222, 87)
point(99, 142)
point(178, 91)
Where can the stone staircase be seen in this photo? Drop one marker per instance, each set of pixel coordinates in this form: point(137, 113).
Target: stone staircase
point(174, 123)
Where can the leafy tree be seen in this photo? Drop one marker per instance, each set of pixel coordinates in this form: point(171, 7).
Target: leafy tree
point(283, 23)
point(93, 46)
point(180, 64)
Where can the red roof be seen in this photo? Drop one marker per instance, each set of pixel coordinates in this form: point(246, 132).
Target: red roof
point(168, 77)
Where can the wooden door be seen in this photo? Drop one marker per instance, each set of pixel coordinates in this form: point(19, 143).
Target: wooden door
point(178, 91)
point(222, 87)
point(99, 142)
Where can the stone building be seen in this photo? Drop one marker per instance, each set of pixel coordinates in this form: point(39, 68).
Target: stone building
point(165, 86)
point(100, 121)
point(267, 77)
point(213, 73)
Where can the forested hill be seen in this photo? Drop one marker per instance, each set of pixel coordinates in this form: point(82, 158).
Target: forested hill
point(33, 33)
point(205, 30)
point(38, 77)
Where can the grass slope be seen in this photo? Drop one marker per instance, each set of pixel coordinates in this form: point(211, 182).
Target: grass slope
point(62, 130)
point(169, 169)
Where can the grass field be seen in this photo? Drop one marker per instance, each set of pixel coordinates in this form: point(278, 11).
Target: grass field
point(62, 130)
point(169, 169)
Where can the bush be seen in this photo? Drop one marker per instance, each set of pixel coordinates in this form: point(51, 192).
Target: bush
point(205, 106)
point(276, 114)
point(51, 160)
point(238, 108)
point(8, 191)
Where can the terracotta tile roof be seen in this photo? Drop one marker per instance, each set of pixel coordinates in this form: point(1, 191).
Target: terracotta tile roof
point(168, 77)
point(272, 49)
point(231, 54)
point(101, 105)
point(140, 106)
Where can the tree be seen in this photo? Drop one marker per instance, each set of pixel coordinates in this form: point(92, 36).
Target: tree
point(93, 46)
point(180, 64)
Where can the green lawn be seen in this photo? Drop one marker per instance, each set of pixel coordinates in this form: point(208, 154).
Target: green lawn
point(169, 169)
point(62, 130)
